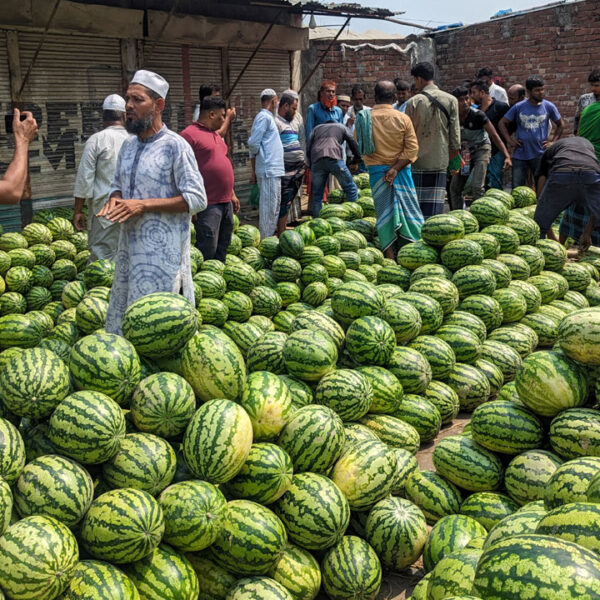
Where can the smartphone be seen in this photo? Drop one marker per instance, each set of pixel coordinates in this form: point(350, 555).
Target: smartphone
point(8, 121)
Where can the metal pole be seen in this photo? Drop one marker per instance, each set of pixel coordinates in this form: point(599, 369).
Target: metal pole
point(160, 33)
point(37, 50)
point(333, 41)
point(407, 23)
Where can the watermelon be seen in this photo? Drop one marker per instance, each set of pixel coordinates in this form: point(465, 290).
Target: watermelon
point(100, 580)
point(575, 432)
point(217, 440)
point(450, 534)
point(576, 336)
point(504, 427)
point(433, 494)
point(265, 475)
point(87, 426)
point(164, 575)
point(525, 520)
point(555, 254)
point(213, 285)
point(464, 343)
point(356, 299)
point(493, 374)
point(460, 253)
point(404, 318)
point(506, 237)
point(444, 398)
point(309, 355)
point(547, 383)
point(54, 486)
point(298, 572)
point(38, 556)
point(488, 507)
point(416, 254)
point(528, 474)
point(484, 307)
point(143, 461)
point(370, 340)
point(33, 382)
point(570, 481)
point(212, 311)
point(351, 569)
point(17, 330)
point(244, 335)
point(474, 279)
point(438, 353)
point(387, 389)
point(394, 431)
point(555, 569)
point(438, 230)
point(239, 305)
point(394, 274)
point(420, 590)
point(314, 510)
point(320, 323)
point(430, 270)
point(194, 512)
point(267, 353)
point(469, 220)
point(467, 464)
point(213, 365)
point(99, 273)
point(411, 368)
point(489, 244)
point(215, 582)
point(489, 211)
point(90, 314)
point(346, 392)
point(503, 356)
point(122, 526)
point(269, 247)
point(470, 384)
point(264, 588)
point(468, 321)
point(421, 414)
point(453, 576)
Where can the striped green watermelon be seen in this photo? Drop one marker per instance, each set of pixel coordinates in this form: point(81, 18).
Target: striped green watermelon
point(577, 336)
point(396, 529)
point(468, 321)
point(265, 475)
point(576, 298)
point(488, 508)
point(163, 404)
point(6, 505)
point(395, 274)
point(504, 427)
point(493, 374)
point(33, 382)
point(464, 343)
point(474, 279)
point(217, 440)
point(282, 321)
point(528, 474)
point(404, 318)
point(249, 235)
point(87, 426)
point(194, 512)
point(38, 556)
point(122, 526)
point(484, 307)
point(438, 353)
point(214, 285)
point(396, 432)
point(298, 572)
point(506, 236)
point(284, 268)
point(215, 582)
point(460, 253)
point(258, 588)
point(314, 511)
point(554, 568)
point(453, 575)
point(320, 323)
point(17, 330)
point(99, 273)
point(527, 229)
point(430, 270)
point(265, 301)
point(269, 247)
point(575, 522)
point(250, 540)
point(63, 249)
point(547, 383)
point(416, 254)
point(501, 272)
point(489, 211)
point(387, 389)
point(570, 481)
point(164, 574)
point(444, 398)
point(213, 365)
point(470, 384)
point(411, 368)
point(239, 305)
point(370, 340)
point(18, 279)
point(356, 299)
point(533, 256)
point(267, 353)
point(575, 432)
point(489, 244)
point(309, 355)
point(438, 230)
point(335, 266)
point(555, 254)
point(61, 228)
point(212, 311)
point(143, 461)
point(433, 494)
point(503, 356)
point(364, 473)
point(64, 269)
point(593, 491)
point(469, 220)
point(512, 303)
point(91, 314)
point(450, 534)
point(55, 487)
point(346, 392)
point(268, 402)
point(420, 590)
point(12, 303)
point(351, 569)
point(356, 433)
point(101, 581)
point(466, 463)
point(243, 335)
point(519, 269)
point(525, 520)
point(422, 415)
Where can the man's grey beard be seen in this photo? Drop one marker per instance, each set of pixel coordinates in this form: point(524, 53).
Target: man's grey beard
point(136, 127)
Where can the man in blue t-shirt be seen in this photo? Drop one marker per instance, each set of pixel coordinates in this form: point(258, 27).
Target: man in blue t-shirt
point(532, 117)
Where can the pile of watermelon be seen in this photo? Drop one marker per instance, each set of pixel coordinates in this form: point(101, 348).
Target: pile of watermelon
point(261, 444)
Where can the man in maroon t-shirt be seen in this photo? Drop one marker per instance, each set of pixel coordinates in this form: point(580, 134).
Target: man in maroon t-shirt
point(215, 224)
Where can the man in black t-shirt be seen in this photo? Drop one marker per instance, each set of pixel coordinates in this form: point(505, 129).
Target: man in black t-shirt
point(494, 110)
point(569, 180)
point(477, 135)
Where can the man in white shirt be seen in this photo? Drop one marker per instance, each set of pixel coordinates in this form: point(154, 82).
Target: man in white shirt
point(496, 92)
point(94, 179)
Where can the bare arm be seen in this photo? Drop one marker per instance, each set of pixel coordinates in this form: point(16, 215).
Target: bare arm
point(558, 130)
point(540, 185)
point(78, 216)
point(229, 117)
point(497, 141)
point(12, 184)
point(585, 241)
point(504, 131)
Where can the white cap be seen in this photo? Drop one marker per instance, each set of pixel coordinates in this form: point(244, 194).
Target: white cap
point(292, 93)
point(269, 93)
point(114, 102)
point(153, 81)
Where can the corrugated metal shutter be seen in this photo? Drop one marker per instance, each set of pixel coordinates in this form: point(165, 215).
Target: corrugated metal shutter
point(71, 77)
point(205, 68)
point(10, 216)
point(268, 69)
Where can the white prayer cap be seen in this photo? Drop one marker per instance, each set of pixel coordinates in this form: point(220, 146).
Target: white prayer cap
point(153, 81)
point(269, 93)
point(292, 93)
point(114, 102)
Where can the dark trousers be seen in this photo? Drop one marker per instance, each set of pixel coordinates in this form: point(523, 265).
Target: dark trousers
point(522, 168)
point(564, 188)
point(213, 230)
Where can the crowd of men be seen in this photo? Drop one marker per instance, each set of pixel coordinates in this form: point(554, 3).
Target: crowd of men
point(418, 144)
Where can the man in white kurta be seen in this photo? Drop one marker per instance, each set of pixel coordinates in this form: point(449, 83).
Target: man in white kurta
point(94, 179)
point(157, 187)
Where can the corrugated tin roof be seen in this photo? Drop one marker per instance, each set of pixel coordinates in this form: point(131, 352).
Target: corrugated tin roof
point(324, 8)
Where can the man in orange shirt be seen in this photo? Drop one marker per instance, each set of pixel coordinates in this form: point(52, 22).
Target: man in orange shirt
point(389, 146)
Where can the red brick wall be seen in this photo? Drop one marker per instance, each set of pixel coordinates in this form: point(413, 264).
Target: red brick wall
point(560, 43)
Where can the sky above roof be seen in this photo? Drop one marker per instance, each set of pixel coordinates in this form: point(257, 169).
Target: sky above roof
point(431, 13)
